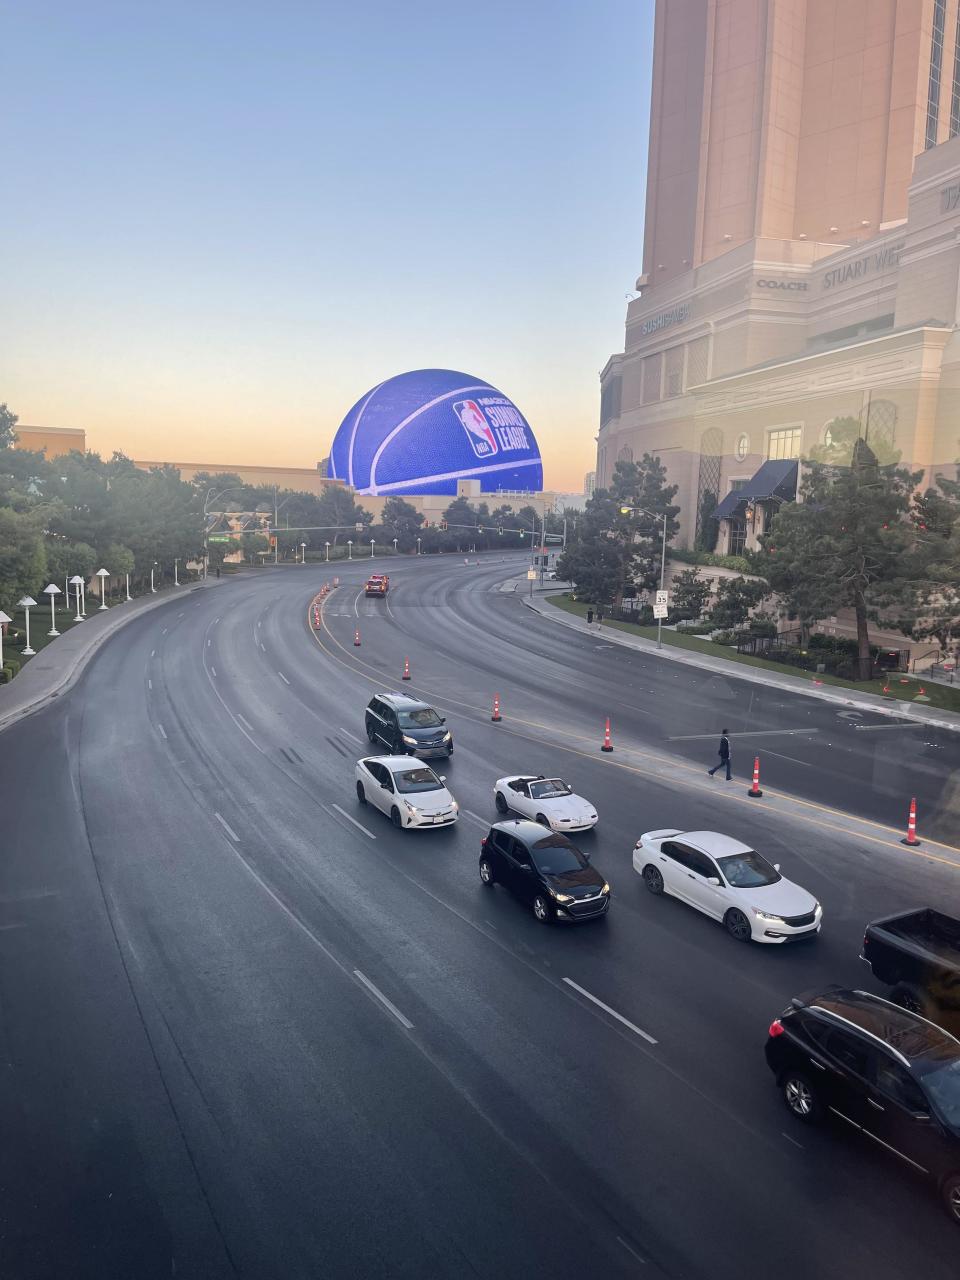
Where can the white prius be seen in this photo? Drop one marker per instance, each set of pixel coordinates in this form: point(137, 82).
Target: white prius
point(549, 801)
point(728, 880)
point(407, 791)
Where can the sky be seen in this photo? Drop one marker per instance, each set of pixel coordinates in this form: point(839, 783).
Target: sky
point(225, 222)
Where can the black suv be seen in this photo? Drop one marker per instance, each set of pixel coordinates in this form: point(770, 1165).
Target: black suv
point(889, 1073)
point(547, 871)
point(407, 727)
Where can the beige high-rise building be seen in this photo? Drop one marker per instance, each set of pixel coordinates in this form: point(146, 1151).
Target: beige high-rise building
point(801, 251)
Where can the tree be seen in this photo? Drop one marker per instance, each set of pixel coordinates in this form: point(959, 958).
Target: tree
point(23, 559)
point(595, 568)
point(709, 527)
point(252, 544)
point(401, 520)
point(734, 600)
point(65, 559)
point(689, 594)
point(842, 437)
point(931, 571)
point(8, 421)
point(339, 512)
point(845, 543)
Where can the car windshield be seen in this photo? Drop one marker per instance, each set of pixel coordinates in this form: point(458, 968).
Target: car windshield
point(422, 718)
point(417, 780)
point(549, 789)
point(555, 856)
point(943, 1089)
point(748, 871)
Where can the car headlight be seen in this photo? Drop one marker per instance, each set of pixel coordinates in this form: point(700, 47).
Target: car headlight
point(409, 742)
point(562, 897)
point(766, 915)
point(454, 806)
point(412, 807)
point(447, 736)
point(606, 887)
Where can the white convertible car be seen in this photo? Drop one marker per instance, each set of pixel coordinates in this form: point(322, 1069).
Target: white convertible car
point(549, 801)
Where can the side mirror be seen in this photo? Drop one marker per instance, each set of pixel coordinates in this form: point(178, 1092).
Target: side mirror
point(776, 866)
point(713, 880)
point(442, 777)
point(443, 719)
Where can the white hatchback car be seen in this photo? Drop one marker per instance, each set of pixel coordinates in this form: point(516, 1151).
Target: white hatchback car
point(728, 880)
point(549, 801)
point(407, 790)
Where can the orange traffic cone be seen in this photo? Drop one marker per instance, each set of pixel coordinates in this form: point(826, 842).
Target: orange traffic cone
point(356, 637)
point(406, 669)
point(755, 789)
point(911, 836)
point(496, 708)
point(607, 744)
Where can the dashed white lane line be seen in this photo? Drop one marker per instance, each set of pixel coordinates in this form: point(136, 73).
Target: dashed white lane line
point(793, 759)
point(387, 1004)
point(215, 621)
point(227, 827)
point(245, 722)
point(208, 642)
point(213, 672)
point(283, 677)
point(153, 653)
point(263, 647)
point(468, 813)
point(901, 724)
point(632, 1252)
point(353, 736)
point(162, 731)
point(164, 631)
point(793, 1140)
point(149, 683)
point(612, 1012)
point(742, 733)
point(358, 825)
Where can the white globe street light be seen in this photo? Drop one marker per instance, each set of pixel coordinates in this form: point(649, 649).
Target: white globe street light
point(103, 575)
point(129, 596)
point(395, 546)
point(4, 619)
point(152, 568)
point(26, 604)
point(372, 540)
point(327, 545)
point(76, 582)
point(349, 548)
point(303, 553)
point(418, 546)
point(52, 591)
point(176, 580)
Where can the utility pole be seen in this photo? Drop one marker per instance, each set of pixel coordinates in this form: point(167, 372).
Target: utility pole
point(276, 531)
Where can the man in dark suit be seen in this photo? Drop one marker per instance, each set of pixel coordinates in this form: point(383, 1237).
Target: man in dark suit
point(724, 754)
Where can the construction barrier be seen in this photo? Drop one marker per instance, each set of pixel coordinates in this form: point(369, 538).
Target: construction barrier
point(755, 789)
point(607, 744)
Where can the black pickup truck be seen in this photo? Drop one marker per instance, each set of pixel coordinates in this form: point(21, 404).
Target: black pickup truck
point(917, 953)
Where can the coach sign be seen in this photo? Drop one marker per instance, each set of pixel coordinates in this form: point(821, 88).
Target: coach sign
point(784, 285)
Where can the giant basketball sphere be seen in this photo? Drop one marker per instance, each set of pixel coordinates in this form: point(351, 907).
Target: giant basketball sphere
point(421, 432)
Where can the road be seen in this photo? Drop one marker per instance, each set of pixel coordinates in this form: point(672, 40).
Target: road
point(251, 1029)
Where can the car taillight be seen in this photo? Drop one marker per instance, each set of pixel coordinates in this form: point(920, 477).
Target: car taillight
point(483, 841)
point(776, 1028)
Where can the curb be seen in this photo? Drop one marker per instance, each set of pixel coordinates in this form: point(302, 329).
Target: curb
point(741, 671)
point(56, 683)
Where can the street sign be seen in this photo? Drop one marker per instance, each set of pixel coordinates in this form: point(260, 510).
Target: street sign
point(663, 597)
point(219, 537)
point(659, 610)
point(531, 574)
point(359, 526)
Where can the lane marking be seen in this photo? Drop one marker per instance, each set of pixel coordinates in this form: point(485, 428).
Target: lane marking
point(163, 732)
point(153, 653)
point(742, 733)
point(633, 1253)
point(468, 813)
point(149, 683)
point(900, 724)
point(613, 1013)
point(793, 759)
point(358, 825)
point(387, 1004)
point(246, 723)
point(353, 736)
point(213, 672)
point(226, 826)
point(793, 1140)
point(208, 642)
point(164, 631)
point(283, 677)
point(263, 647)
point(215, 621)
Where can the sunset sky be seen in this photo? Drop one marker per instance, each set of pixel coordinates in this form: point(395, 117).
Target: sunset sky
point(224, 222)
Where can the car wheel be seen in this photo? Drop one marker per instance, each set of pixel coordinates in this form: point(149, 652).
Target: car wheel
point(542, 909)
point(909, 998)
point(800, 1096)
point(502, 806)
point(486, 873)
point(738, 926)
point(653, 880)
point(544, 820)
point(950, 1191)
point(395, 817)
point(361, 794)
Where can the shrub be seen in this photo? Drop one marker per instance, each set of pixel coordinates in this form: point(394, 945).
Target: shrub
point(725, 637)
point(6, 675)
point(696, 628)
point(739, 564)
point(13, 663)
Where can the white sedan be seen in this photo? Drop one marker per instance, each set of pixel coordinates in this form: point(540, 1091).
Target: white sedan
point(730, 882)
point(549, 801)
point(409, 792)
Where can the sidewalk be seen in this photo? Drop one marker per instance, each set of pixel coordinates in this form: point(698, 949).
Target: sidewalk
point(937, 719)
point(58, 665)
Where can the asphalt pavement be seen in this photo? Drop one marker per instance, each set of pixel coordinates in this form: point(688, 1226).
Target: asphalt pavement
point(251, 1029)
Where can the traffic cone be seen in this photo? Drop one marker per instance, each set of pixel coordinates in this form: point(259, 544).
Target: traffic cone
point(496, 708)
point(607, 744)
point(356, 637)
point(406, 669)
point(911, 836)
point(755, 789)
point(316, 616)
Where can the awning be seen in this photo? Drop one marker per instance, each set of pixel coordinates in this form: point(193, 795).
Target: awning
point(775, 479)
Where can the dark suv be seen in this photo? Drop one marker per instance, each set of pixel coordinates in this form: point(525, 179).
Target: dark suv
point(889, 1073)
point(547, 871)
point(407, 727)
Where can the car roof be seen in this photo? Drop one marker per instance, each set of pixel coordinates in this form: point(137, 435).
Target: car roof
point(396, 763)
point(401, 701)
point(912, 1036)
point(526, 830)
point(712, 842)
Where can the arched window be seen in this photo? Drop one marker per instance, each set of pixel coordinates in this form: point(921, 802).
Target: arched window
point(711, 450)
point(881, 426)
point(625, 454)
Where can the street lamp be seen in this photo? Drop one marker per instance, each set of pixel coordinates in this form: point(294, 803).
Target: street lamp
point(349, 548)
point(129, 596)
point(152, 568)
point(327, 545)
point(372, 540)
point(52, 591)
point(418, 546)
point(4, 619)
point(654, 515)
point(76, 582)
point(395, 546)
point(211, 497)
point(26, 604)
point(103, 575)
point(303, 553)
point(176, 580)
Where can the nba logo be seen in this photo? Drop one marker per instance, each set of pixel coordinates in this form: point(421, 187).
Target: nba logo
point(477, 428)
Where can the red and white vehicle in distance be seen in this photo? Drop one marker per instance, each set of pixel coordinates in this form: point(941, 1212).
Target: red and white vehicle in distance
point(378, 584)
